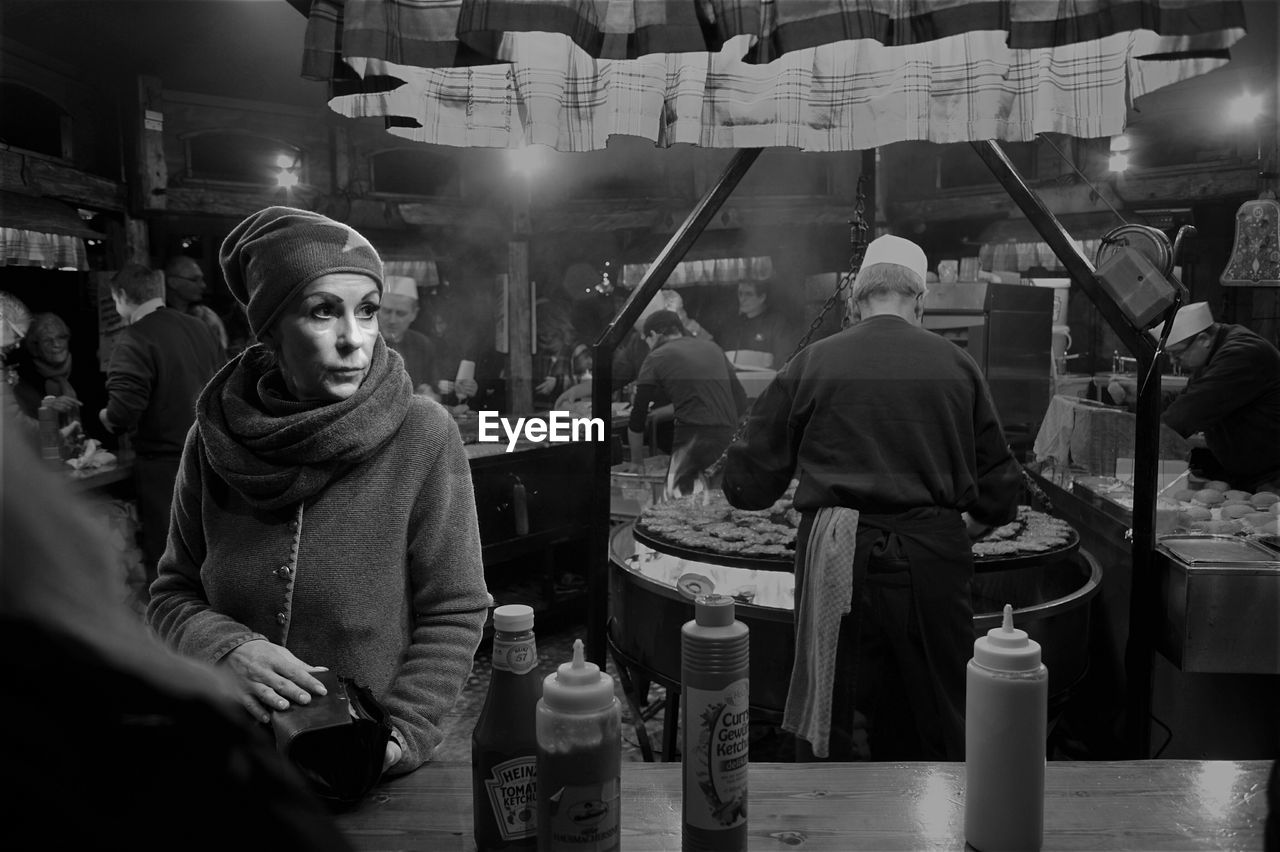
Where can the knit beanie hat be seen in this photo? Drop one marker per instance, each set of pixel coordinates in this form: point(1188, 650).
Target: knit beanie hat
point(270, 256)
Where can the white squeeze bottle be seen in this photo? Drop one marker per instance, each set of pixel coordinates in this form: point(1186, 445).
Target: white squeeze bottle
point(1005, 720)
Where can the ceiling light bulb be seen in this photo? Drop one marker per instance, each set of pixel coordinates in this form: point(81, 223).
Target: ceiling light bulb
point(1119, 162)
point(1245, 109)
point(286, 161)
point(1121, 143)
point(287, 179)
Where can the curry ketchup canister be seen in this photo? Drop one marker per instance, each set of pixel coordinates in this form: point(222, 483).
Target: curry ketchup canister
point(504, 745)
point(714, 692)
point(579, 760)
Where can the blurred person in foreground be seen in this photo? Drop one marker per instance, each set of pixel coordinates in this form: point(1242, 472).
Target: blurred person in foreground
point(324, 515)
point(1233, 397)
point(110, 740)
point(159, 364)
point(901, 460)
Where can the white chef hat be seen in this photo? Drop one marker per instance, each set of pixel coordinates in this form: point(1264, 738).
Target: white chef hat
point(1189, 321)
point(896, 250)
point(400, 285)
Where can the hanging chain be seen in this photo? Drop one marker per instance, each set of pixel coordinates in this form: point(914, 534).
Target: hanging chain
point(1037, 497)
point(858, 229)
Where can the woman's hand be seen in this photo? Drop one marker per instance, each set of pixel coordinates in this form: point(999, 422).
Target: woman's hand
point(62, 404)
point(465, 388)
point(393, 754)
point(269, 677)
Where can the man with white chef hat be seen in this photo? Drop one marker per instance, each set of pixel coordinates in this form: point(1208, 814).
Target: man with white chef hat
point(1233, 397)
point(900, 458)
point(399, 310)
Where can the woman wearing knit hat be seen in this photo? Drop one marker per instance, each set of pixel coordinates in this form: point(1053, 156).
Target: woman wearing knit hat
point(324, 515)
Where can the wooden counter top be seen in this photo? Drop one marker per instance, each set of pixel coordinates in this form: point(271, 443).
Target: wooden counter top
point(1154, 806)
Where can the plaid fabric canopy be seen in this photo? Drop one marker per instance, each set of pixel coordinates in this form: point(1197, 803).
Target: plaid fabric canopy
point(20, 247)
point(820, 75)
point(716, 270)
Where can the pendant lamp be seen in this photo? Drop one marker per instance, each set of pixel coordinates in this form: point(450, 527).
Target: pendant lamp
point(1255, 256)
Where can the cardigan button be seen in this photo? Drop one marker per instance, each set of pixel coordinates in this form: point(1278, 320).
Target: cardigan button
point(284, 572)
point(281, 618)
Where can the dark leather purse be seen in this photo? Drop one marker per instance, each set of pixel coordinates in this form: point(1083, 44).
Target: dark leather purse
point(337, 742)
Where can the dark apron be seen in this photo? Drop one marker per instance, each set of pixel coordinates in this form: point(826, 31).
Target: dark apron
point(906, 642)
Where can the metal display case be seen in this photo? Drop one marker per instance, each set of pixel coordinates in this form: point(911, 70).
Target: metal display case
point(1007, 330)
point(1221, 595)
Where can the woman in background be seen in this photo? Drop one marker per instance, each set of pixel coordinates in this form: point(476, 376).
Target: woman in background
point(324, 515)
point(44, 368)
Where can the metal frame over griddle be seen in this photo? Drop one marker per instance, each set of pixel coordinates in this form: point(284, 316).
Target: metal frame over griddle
point(1144, 604)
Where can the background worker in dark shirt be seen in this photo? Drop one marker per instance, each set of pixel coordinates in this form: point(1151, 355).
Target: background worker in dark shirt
point(759, 327)
point(895, 423)
point(1233, 397)
point(703, 390)
point(159, 365)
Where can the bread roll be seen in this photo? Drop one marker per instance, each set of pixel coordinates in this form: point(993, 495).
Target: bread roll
point(1193, 514)
point(1208, 497)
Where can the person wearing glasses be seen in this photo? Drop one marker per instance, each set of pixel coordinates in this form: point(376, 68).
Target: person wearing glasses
point(1232, 396)
point(44, 370)
point(184, 289)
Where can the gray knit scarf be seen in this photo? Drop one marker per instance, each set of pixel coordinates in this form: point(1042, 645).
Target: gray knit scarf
point(55, 376)
point(277, 451)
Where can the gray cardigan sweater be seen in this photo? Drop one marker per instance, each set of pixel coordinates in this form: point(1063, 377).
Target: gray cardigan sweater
point(378, 577)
